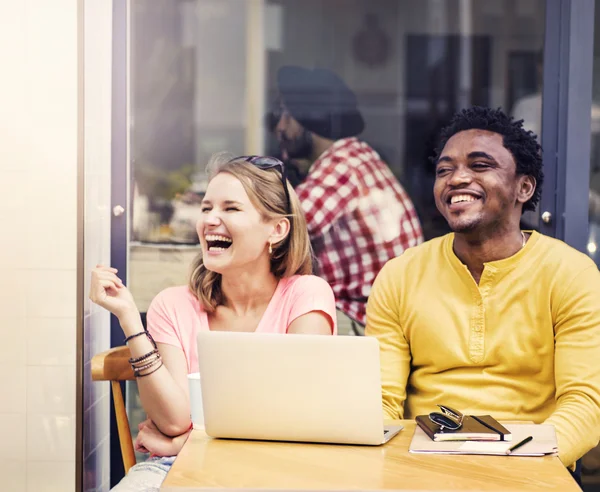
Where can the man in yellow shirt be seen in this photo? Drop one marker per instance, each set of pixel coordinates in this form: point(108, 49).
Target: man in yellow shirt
point(489, 318)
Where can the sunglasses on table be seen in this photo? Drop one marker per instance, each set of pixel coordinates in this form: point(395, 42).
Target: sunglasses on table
point(266, 162)
point(447, 418)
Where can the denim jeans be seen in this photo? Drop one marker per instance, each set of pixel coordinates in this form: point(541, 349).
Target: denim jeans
point(146, 476)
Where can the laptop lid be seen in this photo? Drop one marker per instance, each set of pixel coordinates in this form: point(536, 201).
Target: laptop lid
point(309, 388)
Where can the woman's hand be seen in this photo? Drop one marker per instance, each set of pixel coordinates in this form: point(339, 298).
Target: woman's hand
point(108, 291)
point(151, 440)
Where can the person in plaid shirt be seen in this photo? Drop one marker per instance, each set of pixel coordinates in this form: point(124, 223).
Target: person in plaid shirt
point(358, 214)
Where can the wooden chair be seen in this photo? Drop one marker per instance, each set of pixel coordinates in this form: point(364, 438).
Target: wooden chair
point(113, 365)
point(357, 328)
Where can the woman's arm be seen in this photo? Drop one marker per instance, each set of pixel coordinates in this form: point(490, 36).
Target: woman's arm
point(164, 393)
point(151, 440)
point(313, 323)
point(313, 307)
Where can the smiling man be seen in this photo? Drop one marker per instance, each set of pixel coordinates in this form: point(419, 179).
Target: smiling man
point(490, 318)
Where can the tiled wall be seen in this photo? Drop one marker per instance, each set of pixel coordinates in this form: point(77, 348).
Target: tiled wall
point(97, 149)
point(38, 259)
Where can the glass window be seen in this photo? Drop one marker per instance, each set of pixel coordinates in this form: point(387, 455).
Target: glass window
point(205, 78)
point(594, 208)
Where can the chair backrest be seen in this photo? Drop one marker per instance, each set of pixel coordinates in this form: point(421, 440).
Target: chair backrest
point(113, 365)
point(357, 328)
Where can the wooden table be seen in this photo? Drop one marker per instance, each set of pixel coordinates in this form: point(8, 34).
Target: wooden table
point(215, 464)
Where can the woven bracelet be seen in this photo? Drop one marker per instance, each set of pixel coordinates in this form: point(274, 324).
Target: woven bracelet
point(145, 332)
point(135, 335)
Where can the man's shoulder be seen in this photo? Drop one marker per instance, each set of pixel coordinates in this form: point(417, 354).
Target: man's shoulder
point(560, 266)
point(350, 153)
point(558, 254)
point(347, 157)
point(335, 164)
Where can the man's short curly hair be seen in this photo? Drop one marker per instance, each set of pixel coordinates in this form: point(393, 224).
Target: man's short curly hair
point(521, 143)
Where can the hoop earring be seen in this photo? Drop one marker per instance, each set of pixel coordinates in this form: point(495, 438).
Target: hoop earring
point(270, 248)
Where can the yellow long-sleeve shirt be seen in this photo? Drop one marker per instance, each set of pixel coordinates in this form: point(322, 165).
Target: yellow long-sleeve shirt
point(523, 344)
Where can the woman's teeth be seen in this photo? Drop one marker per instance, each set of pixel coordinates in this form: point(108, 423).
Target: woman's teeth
point(216, 237)
point(216, 242)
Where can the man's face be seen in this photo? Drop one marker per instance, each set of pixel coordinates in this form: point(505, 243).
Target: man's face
point(476, 185)
point(294, 139)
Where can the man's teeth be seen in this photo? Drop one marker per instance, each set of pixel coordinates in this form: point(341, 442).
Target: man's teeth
point(462, 198)
point(216, 237)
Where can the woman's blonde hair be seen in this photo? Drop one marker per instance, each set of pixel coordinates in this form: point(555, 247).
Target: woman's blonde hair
point(291, 256)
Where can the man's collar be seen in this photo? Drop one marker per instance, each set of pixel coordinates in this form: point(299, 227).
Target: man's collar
point(342, 142)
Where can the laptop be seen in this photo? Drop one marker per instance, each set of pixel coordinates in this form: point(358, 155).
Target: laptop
point(299, 388)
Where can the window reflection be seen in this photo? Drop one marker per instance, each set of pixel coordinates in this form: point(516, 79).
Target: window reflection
point(594, 194)
point(204, 79)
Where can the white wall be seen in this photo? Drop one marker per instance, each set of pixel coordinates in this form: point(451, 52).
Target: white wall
point(38, 260)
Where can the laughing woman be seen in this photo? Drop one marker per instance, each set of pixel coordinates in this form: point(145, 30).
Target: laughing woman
point(253, 274)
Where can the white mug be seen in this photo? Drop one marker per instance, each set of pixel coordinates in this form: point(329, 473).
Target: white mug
point(196, 399)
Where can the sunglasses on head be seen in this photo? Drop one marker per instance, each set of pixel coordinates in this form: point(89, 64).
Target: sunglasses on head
point(447, 418)
point(266, 162)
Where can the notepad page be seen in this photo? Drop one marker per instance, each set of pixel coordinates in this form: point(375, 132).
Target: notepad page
point(544, 442)
point(490, 447)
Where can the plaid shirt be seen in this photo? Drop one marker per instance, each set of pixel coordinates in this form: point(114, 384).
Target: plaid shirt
point(359, 217)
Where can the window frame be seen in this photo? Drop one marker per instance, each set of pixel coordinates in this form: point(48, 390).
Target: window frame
point(566, 120)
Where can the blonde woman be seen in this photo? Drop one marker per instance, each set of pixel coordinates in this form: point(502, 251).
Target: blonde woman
point(253, 274)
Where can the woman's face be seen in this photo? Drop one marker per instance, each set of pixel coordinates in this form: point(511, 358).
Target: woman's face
point(232, 233)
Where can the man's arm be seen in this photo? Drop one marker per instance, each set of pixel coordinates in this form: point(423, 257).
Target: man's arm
point(577, 367)
point(383, 322)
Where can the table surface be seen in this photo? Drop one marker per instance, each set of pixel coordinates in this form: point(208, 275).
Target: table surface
point(214, 464)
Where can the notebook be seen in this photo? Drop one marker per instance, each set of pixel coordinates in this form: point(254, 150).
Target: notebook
point(474, 428)
point(543, 443)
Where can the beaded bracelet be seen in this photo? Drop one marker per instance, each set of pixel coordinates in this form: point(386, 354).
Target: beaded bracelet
point(141, 358)
point(146, 364)
point(139, 370)
point(145, 361)
point(148, 373)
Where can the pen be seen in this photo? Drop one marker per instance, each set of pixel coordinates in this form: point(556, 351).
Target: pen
point(519, 444)
point(485, 424)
